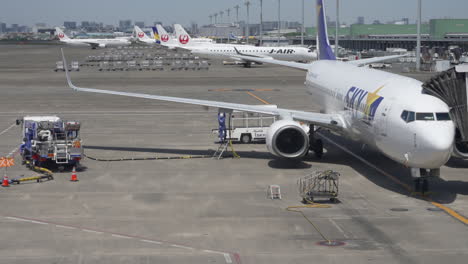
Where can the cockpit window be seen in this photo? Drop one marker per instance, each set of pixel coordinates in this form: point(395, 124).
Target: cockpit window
point(443, 116)
point(425, 116)
point(407, 116)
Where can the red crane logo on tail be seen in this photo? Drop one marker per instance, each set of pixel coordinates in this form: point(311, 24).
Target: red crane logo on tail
point(184, 39)
point(141, 34)
point(165, 38)
point(61, 35)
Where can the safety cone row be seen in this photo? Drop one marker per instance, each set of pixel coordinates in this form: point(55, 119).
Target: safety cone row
point(5, 182)
point(74, 177)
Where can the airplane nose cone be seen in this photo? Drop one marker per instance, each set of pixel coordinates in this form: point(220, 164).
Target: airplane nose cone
point(435, 146)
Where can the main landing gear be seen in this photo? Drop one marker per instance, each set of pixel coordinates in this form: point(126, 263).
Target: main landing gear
point(422, 177)
point(315, 145)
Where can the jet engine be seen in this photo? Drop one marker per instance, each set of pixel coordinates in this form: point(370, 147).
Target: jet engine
point(460, 149)
point(288, 139)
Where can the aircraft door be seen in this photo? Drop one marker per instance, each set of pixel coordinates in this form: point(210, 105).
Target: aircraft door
point(381, 121)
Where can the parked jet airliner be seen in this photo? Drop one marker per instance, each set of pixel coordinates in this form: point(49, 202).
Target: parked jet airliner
point(289, 53)
point(386, 111)
point(93, 43)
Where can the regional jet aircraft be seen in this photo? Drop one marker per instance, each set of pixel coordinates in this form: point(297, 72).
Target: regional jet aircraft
point(386, 111)
point(93, 43)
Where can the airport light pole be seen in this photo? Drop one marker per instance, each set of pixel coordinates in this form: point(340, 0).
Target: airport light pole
point(228, 11)
point(221, 13)
point(337, 26)
point(237, 13)
point(303, 27)
point(247, 32)
point(211, 19)
point(279, 21)
point(261, 22)
point(216, 18)
point(418, 41)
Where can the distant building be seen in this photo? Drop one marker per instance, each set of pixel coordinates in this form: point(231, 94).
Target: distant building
point(140, 24)
point(3, 28)
point(125, 25)
point(405, 20)
point(69, 24)
point(222, 30)
point(14, 28)
point(194, 28)
point(360, 20)
point(376, 22)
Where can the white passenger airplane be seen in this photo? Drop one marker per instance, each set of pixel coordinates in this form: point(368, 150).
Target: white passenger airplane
point(93, 43)
point(386, 111)
point(289, 53)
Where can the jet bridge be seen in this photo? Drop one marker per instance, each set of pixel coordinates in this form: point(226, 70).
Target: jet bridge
point(451, 86)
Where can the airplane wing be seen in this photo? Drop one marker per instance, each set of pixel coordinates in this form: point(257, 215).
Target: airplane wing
point(331, 121)
point(92, 44)
point(376, 59)
point(291, 64)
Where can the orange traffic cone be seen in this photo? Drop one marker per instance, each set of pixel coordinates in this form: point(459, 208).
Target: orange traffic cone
point(5, 182)
point(74, 178)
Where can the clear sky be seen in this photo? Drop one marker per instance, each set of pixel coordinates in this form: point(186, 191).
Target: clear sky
point(54, 12)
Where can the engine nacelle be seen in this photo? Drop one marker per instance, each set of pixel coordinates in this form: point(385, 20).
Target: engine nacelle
point(288, 139)
point(460, 149)
point(102, 45)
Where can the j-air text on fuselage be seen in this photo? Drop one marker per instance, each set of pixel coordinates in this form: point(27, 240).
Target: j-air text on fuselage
point(385, 111)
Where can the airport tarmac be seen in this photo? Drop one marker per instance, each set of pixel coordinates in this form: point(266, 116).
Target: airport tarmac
point(204, 210)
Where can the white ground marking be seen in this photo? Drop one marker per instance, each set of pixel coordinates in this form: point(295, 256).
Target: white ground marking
point(179, 246)
point(150, 241)
point(227, 258)
point(119, 236)
point(66, 227)
point(6, 130)
point(91, 231)
point(37, 222)
point(338, 227)
point(212, 251)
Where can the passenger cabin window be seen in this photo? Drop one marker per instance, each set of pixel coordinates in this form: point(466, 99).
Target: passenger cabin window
point(443, 116)
point(425, 116)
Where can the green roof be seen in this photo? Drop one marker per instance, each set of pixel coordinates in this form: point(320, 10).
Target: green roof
point(440, 27)
point(386, 29)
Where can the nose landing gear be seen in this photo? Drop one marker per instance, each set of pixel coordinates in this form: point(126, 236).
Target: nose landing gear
point(422, 177)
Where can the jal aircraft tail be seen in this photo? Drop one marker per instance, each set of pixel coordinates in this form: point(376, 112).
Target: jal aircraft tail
point(324, 48)
point(182, 36)
point(141, 35)
point(163, 36)
point(60, 34)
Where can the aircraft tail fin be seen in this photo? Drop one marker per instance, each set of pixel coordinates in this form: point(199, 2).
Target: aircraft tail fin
point(156, 35)
point(163, 36)
point(181, 34)
point(60, 34)
point(324, 48)
point(141, 35)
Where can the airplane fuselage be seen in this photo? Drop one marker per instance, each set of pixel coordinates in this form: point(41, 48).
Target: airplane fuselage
point(386, 111)
point(279, 53)
point(97, 42)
